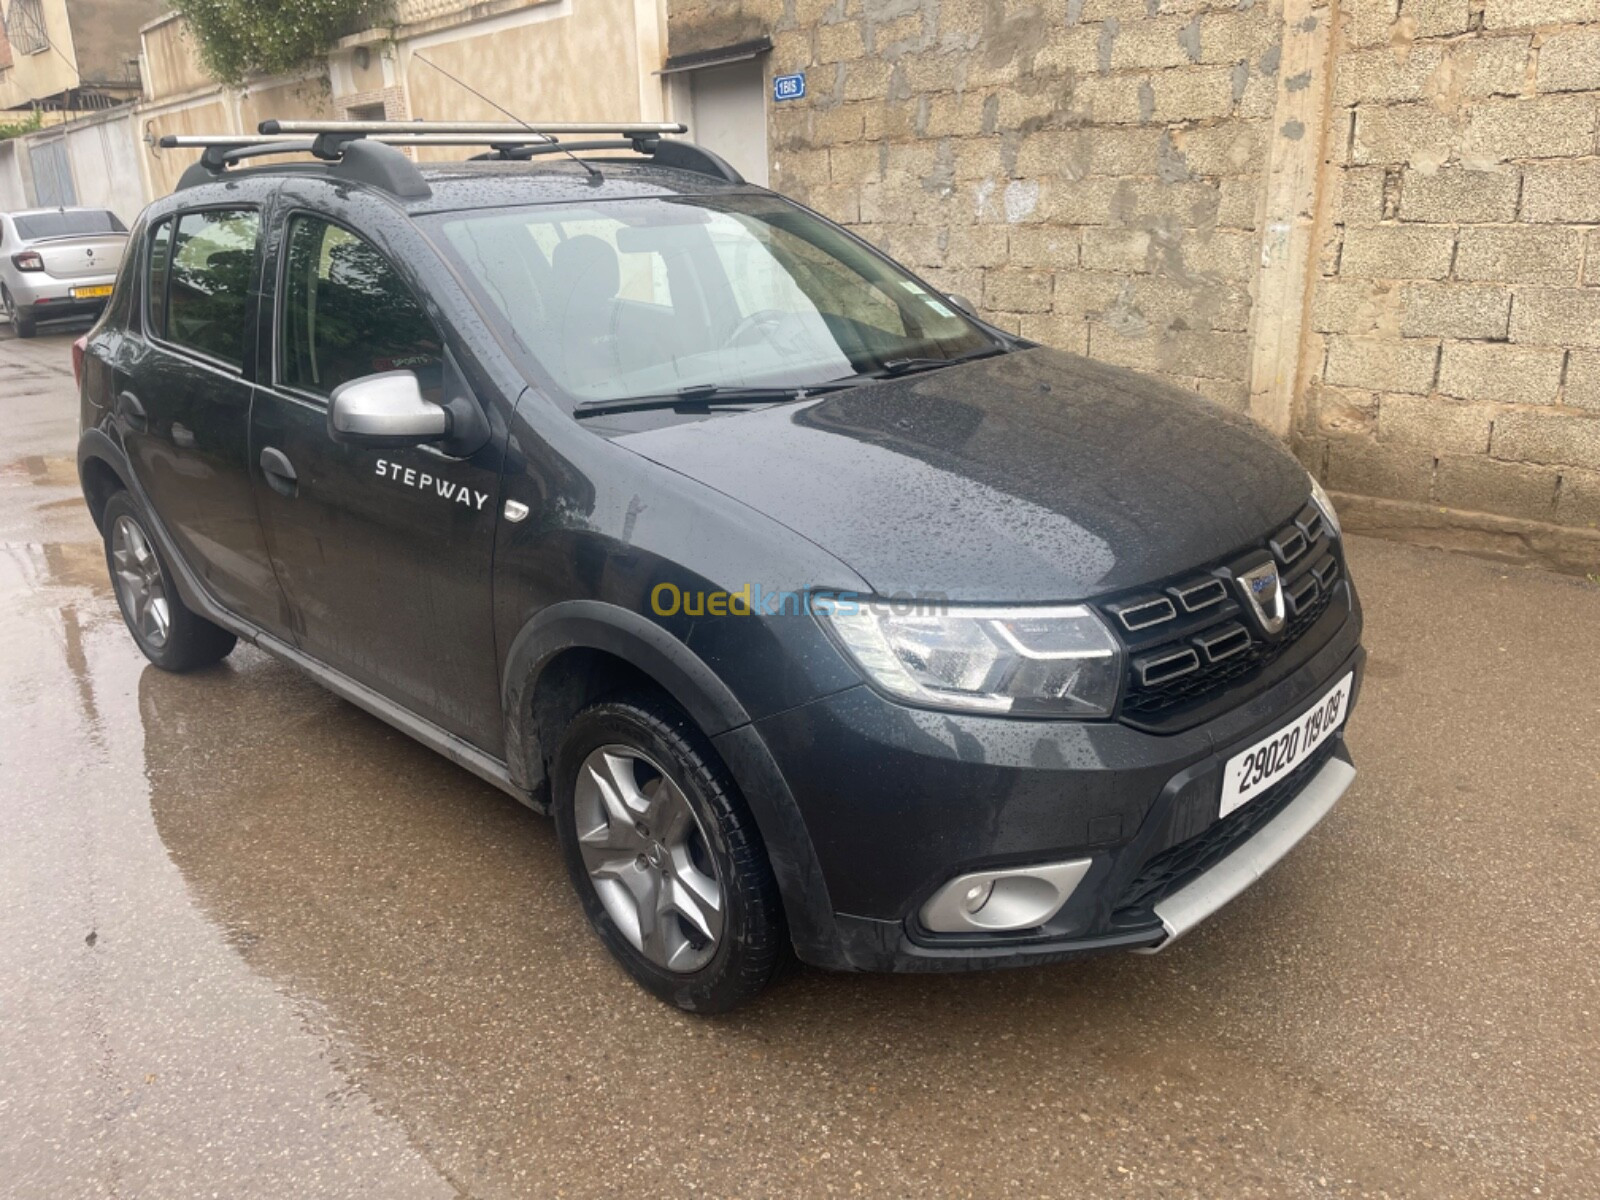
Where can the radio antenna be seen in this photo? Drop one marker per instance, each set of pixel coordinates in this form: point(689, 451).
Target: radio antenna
point(594, 172)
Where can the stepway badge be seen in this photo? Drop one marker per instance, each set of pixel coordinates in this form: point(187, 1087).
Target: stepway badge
point(788, 87)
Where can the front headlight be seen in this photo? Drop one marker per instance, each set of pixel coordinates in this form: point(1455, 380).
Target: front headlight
point(1048, 662)
point(1319, 497)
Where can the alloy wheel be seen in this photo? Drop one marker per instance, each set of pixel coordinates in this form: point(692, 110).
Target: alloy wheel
point(139, 582)
point(648, 857)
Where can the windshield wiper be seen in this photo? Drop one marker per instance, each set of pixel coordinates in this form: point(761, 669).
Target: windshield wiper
point(701, 395)
point(705, 395)
point(909, 366)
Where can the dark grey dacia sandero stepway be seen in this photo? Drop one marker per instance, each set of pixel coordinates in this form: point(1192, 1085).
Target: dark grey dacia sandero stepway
point(820, 614)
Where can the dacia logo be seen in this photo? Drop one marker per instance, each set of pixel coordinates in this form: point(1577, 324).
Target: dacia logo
point(1264, 591)
point(445, 489)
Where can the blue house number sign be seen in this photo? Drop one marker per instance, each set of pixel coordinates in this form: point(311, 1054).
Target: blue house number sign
point(788, 87)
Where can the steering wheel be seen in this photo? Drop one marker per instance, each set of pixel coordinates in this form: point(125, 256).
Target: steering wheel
point(765, 320)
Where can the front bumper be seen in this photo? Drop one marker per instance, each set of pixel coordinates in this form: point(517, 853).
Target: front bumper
point(1186, 906)
point(897, 800)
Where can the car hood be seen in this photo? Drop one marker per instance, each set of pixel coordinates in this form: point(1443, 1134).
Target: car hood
point(1031, 476)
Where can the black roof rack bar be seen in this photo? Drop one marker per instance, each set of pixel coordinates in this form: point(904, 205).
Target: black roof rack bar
point(366, 160)
point(365, 149)
point(491, 128)
point(221, 151)
point(269, 143)
point(172, 141)
point(509, 148)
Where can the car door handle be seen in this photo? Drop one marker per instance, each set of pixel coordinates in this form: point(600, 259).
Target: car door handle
point(131, 411)
point(275, 465)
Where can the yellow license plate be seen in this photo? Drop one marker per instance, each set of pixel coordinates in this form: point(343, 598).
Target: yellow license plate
point(91, 293)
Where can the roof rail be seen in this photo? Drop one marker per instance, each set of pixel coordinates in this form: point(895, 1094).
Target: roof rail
point(359, 159)
point(364, 150)
point(666, 152)
point(484, 129)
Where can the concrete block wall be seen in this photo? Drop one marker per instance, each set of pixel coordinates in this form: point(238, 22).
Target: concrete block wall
point(1453, 353)
point(1086, 171)
point(1374, 224)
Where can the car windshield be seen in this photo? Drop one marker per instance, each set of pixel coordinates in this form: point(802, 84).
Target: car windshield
point(38, 226)
point(646, 297)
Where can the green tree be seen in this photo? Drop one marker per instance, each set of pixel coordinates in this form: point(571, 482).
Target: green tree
point(272, 37)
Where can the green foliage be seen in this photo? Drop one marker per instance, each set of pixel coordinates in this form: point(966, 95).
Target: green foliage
point(272, 37)
point(11, 129)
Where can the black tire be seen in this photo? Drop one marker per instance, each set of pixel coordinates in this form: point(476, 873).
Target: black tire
point(754, 940)
point(190, 640)
point(22, 324)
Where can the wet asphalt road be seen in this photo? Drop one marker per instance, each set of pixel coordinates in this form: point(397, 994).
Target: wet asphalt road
point(253, 943)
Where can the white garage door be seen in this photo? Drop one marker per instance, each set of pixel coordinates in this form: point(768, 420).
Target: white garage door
point(728, 114)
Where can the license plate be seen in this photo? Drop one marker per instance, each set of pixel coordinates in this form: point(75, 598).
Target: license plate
point(91, 293)
point(1253, 771)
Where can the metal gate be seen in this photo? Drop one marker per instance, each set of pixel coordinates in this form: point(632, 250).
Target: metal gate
point(52, 174)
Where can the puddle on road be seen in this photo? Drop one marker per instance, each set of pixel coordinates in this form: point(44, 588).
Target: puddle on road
point(51, 471)
point(133, 1032)
point(30, 566)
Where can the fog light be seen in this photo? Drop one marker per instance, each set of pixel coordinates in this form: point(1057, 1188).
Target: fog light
point(977, 896)
point(1011, 898)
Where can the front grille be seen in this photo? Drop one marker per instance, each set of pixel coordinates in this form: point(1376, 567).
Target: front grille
point(1177, 865)
point(1191, 640)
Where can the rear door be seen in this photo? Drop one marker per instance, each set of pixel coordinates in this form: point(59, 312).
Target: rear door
point(385, 555)
point(182, 395)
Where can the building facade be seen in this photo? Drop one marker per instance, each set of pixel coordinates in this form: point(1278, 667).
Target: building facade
point(71, 56)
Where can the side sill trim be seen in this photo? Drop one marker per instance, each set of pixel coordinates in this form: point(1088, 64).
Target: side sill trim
point(441, 741)
point(460, 752)
point(1194, 902)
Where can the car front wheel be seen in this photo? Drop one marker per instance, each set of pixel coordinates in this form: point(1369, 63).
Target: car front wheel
point(665, 856)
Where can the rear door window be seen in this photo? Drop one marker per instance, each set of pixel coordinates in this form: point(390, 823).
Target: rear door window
point(213, 259)
point(347, 313)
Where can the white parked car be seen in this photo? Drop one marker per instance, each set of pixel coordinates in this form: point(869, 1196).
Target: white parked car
point(57, 262)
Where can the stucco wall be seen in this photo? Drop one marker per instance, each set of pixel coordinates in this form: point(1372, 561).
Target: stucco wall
point(13, 194)
point(565, 60)
point(163, 168)
point(104, 154)
point(293, 99)
point(171, 60)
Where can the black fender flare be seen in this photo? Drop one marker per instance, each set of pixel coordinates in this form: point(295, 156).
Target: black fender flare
point(97, 444)
point(596, 625)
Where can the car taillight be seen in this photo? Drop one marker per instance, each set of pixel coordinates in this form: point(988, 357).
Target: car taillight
point(28, 260)
point(80, 347)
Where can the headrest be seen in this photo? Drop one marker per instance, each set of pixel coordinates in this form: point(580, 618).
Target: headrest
point(588, 262)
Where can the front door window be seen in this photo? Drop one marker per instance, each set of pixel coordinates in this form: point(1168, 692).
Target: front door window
point(347, 313)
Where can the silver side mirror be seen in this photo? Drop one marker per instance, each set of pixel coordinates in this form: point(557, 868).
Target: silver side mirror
point(962, 303)
point(386, 409)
